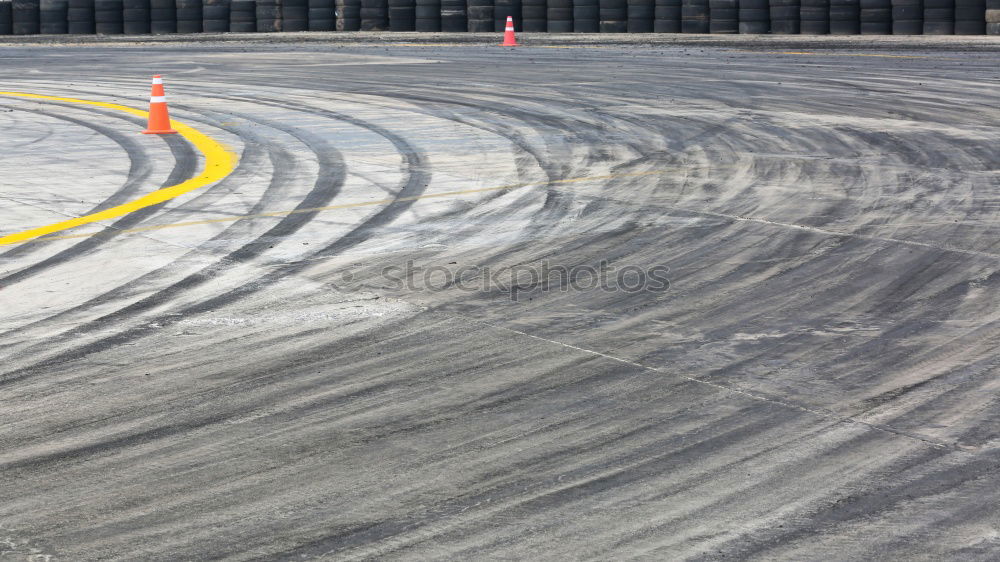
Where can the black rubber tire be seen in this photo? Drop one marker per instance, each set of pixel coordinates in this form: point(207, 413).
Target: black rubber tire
point(667, 16)
point(52, 17)
point(216, 16)
point(454, 24)
point(136, 16)
point(243, 16)
point(694, 16)
point(402, 15)
point(109, 17)
point(723, 26)
point(876, 28)
point(560, 26)
point(723, 16)
point(970, 27)
point(427, 25)
point(481, 26)
point(25, 17)
point(640, 16)
point(189, 16)
point(321, 15)
point(586, 16)
point(504, 8)
point(784, 13)
point(162, 17)
point(814, 17)
point(268, 16)
point(454, 16)
point(348, 15)
point(785, 27)
point(80, 17)
point(939, 28)
point(907, 27)
point(6, 18)
point(755, 27)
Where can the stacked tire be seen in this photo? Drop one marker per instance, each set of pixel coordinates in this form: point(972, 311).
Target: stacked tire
point(216, 15)
point(939, 17)
point(480, 15)
point(136, 19)
point(969, 17)
point(785, 16)
point(190, 16)
point(875, 17)
point(586, 16)
point(52, 16)
point(504, 8)
point(108, 17)
point(374, 15)
point(534, 14)
point(907, 17)
point(814, 17)
point(80, 17)
point(24, 17)
point(294, 15)
point(454, 16)
point(667, 16)
point(755, 16)
point(559, 16)
point(242, 16)
point(640, 16)
point(992, 17)
point(845, 17)
point(614, 16)
point(723, 16)
point(348, 15)
point(694, 16)
point(402, 15)
point(321, 15)
point(6, 17)
point(428, 15)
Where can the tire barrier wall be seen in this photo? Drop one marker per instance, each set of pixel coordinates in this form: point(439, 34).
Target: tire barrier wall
point(53, 17)
point(586, 16)
point(375, 15)
point(723, 16)
point(755, 16)
point(695, 16)
point(348, 15)
point(428, 15)
point(294, 15)
point(785, 16)
point(808, 17)
point(876, 17)
point(322, 16)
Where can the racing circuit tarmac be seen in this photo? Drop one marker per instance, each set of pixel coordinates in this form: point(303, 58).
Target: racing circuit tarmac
point(234, 374)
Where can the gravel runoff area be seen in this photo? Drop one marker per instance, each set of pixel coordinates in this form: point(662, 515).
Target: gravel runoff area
point(793, 354)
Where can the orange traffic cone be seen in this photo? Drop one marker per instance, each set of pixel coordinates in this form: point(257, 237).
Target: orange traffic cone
point(159, 119)
point(508, 34)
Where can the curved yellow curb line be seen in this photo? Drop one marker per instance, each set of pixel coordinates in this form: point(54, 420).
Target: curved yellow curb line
point(219, 163)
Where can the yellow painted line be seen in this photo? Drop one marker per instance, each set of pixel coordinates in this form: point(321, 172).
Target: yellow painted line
point(219, 163)
point(379, 202)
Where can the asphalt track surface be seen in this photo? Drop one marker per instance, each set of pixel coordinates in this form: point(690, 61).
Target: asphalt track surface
point(234, 374)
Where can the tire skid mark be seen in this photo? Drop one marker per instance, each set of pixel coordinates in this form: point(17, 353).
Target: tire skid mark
point(140, 168)
point(185, 167)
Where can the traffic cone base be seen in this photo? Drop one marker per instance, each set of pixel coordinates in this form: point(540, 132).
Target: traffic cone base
point(508, 34)
point(159, 117)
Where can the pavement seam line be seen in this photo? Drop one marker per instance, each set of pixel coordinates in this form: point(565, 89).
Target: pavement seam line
point(733, 390)
point(219, 163)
